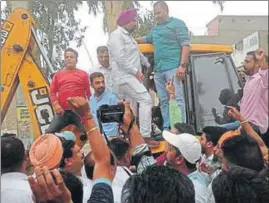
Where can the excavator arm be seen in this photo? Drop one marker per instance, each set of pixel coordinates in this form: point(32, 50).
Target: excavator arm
point(18, 66)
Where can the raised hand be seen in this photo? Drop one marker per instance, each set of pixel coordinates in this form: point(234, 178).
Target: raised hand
point(45, 188)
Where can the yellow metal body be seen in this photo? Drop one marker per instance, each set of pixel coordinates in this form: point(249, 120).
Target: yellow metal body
point(18, 67)
point(195, 48)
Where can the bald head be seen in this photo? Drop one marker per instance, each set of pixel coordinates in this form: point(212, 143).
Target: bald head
point(161, 4)
point(161, 12)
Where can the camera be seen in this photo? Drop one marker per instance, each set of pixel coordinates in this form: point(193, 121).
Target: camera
point(111, 113)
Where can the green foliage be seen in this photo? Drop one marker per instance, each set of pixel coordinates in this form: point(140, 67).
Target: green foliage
point(220, 3)
point(145, 23)
point(58, 25)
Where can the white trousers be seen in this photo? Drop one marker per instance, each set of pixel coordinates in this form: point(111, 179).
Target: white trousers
point(130, 88)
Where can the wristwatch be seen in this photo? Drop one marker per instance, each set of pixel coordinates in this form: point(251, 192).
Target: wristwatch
point(184, 65)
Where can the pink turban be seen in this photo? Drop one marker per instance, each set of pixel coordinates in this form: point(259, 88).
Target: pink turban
point(126, 16)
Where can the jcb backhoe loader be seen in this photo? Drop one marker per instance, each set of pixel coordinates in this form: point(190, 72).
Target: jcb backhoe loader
point(18, 66)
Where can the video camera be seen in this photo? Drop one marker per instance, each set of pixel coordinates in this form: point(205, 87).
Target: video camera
point(111, 113)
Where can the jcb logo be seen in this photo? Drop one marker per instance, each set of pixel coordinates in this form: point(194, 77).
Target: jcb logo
point(6, 27)
point(43, 111)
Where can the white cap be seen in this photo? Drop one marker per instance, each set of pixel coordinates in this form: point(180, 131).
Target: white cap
point(188, 145)
point(68, 135)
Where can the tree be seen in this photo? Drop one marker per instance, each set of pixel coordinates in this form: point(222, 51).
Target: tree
point(56, 20)
point(112, 8)
point(145, 23)
point(220, 3)
point(56, 26)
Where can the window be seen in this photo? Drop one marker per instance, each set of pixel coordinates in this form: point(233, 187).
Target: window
point(211, 74)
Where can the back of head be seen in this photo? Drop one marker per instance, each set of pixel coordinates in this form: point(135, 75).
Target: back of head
point(119, 147)
point(240, 185)
point(225, 96)
point(74, 185)
point(243, 151)
point(184, 128)
point(158, 184)
point(89, 164)
point(12, 154)
point(213, 133)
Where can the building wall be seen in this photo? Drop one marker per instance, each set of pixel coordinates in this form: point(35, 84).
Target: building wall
point(241, 48)
point(212, 29)
point(264, 40)
point(231, 29)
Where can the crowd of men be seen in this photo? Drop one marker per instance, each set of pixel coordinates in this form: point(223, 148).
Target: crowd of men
point(228, 163)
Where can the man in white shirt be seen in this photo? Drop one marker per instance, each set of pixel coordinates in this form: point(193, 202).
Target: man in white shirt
point(118, 181)
point(126, 62)
point(104, 67)
point(183, 152)
point(72, 162)
point(14, 181)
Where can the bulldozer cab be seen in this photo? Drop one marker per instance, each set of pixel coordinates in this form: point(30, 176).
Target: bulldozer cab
point(211, 70)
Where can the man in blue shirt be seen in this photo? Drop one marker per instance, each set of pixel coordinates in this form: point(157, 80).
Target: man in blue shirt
point(171, 41)
point(102, 96)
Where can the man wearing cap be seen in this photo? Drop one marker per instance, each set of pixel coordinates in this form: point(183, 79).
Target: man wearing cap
point(182, 153)
point(126, 62)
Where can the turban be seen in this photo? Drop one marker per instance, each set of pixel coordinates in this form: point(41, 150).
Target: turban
point(47, 151)
point(126, 16)
point(228, 135)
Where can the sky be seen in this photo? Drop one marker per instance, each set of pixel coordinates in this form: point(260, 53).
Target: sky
point(196, 15)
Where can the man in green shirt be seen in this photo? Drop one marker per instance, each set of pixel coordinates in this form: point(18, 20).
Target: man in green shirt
point(171, 41)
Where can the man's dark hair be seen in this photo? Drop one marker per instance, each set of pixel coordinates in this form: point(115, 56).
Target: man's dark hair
point(162, 4)
point(71, 50)
point(96, 75)
point(68, 146)
point(213, 133)
point(225, 96)
point(89, 164)
point(158, 184)
point(101, 49)
point(119, 147)
point(243, 151)
point(240, 185)
point(184, 128)
point(74, 185)
point(12, 154)
point(253, 54)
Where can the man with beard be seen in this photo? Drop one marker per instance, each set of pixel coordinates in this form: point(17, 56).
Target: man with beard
point(171, 41)
point(254, 104)
point(183, 152)
point(126, 62)
point(100, 97)
point(104, 67)
point(209, 140)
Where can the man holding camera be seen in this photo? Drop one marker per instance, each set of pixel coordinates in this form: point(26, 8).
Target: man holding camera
point(102, 97)
point(126, 62)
